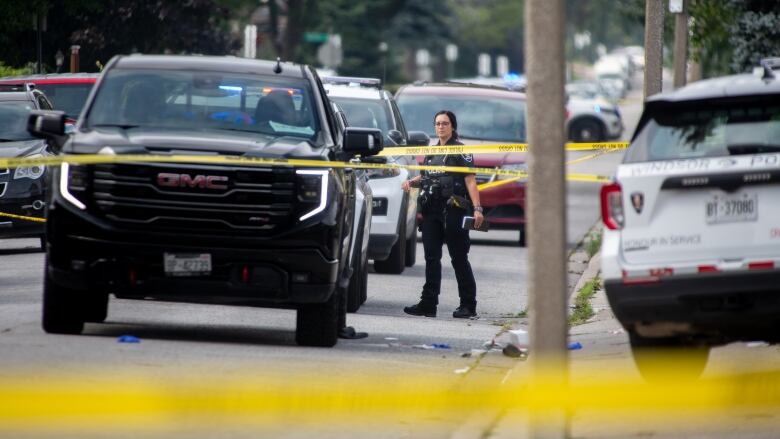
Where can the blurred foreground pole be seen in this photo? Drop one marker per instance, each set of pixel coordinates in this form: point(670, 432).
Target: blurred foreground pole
point(680, 44)
point(546, 207)
point(654, 46)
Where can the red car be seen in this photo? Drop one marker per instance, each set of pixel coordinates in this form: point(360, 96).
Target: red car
point(486, 115)
point(67, 91)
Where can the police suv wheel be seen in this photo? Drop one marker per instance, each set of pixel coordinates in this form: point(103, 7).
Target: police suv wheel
point(659, 359)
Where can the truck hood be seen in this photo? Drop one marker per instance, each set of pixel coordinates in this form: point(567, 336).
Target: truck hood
point(141, 141)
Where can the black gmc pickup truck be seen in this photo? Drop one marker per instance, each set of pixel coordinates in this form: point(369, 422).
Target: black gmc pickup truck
point(269, 236)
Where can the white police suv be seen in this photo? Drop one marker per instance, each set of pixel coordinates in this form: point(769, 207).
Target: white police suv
point(691, 248)
point(393, 239)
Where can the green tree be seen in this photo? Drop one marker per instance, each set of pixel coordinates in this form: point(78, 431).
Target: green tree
point(755, 33)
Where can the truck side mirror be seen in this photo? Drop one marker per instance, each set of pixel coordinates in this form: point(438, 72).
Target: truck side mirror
point(48, 125)
point(362, 141)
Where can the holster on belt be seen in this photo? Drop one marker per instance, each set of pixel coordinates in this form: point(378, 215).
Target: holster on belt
point(459, 202)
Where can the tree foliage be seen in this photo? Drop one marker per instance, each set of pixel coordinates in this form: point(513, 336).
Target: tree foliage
point(755, 33)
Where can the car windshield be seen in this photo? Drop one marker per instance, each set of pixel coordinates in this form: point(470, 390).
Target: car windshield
point(13, 124)
point(69, 98)
point(479, 117)
point(707, 131)
point(366, 113)
point(187, 100)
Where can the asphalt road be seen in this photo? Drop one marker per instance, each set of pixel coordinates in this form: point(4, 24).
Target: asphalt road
point(212, 342)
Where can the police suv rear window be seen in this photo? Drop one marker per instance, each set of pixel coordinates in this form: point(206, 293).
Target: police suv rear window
point(708, 130)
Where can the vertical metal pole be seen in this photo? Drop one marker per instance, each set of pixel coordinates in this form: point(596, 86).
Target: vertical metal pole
point(680, 46)
point(546, 203)
point(654, 46)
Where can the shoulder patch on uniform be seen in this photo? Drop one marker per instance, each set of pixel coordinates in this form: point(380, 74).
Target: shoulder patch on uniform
point(468, 157)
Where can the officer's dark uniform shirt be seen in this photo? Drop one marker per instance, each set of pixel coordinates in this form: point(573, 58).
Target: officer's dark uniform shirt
point(458, 178)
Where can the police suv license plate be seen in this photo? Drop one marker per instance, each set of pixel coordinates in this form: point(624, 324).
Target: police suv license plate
point(732, 208)
point(187, 264)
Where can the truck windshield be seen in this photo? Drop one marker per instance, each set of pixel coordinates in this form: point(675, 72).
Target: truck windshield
point(186, 100)
point(707, 131)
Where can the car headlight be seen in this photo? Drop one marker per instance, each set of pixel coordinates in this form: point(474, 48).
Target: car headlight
point(32, 172)
point(522, 167)
point(312, 185)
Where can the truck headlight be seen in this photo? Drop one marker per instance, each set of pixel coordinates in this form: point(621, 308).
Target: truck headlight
point(33, 172)
point(312, 185)
point(73, 178)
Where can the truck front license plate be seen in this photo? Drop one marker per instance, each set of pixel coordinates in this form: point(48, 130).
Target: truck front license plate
point(187, 264)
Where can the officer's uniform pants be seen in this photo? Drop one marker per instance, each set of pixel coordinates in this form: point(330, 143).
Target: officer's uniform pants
point(437, 228)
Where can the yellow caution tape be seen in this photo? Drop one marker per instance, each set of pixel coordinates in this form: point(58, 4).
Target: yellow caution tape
point(493, 149)
point(118, 400)
point(22, 217)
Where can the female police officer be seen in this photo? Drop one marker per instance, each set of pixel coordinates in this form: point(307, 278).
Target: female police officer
point(442, 221)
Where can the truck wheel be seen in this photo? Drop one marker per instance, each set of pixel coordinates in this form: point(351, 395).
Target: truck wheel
point(587, 130)
point(317, 325)
point(659, 359)
point(61, 313)
point(394, 264)
point(411, 250)
point(95, 307)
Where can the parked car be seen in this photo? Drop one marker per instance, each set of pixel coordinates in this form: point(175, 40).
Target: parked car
point(591, 117)
point(24, 97)
point(393, 242)
point(691, 246)
point(486, 115)
point(66, 91)
point(214, 233)
point(22, 190)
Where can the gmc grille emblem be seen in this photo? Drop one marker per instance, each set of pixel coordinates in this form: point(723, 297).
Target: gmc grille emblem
point(165, 179)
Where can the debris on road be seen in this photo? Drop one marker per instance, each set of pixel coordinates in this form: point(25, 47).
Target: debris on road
point(128, 339)
point(575, 345)
point(513, 351)
point(757, 344)
point(462, 371)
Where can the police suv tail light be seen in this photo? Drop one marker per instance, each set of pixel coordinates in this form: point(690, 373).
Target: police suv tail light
point(312, 188)
point(73, 182)
point(612, 213)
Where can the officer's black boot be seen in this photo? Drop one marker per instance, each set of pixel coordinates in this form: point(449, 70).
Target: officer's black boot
point(422, 308)
point(465, 312)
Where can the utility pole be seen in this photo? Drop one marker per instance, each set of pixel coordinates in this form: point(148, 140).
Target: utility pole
point(654, 46)
point(680, 10)
point(546, 204)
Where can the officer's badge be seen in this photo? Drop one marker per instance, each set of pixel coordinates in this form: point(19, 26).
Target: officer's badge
point(638, 201)
point(468, 157)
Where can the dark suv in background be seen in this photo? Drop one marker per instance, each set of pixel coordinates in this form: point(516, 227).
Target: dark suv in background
point(204, 232)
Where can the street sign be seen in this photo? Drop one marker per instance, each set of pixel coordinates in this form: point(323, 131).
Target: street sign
point(330, 54)
point(315, 37)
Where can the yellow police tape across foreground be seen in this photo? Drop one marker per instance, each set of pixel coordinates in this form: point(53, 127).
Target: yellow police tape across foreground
point(493, 148)
point(92, 159)
point(97, 400)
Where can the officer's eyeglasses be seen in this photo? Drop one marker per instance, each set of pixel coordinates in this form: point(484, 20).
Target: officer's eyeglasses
point(442, 124)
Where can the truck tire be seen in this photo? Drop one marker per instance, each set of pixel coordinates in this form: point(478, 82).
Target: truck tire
point(395, 264)
point(659, 359)
point(317, 324)
point(411, 250)
point(61, 311)
point(95, 307)
point(521, 241)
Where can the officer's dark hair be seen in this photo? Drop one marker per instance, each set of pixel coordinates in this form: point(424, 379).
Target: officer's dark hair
point(453, 121)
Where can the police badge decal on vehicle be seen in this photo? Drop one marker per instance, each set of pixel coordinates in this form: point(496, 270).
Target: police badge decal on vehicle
point(638, 201)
